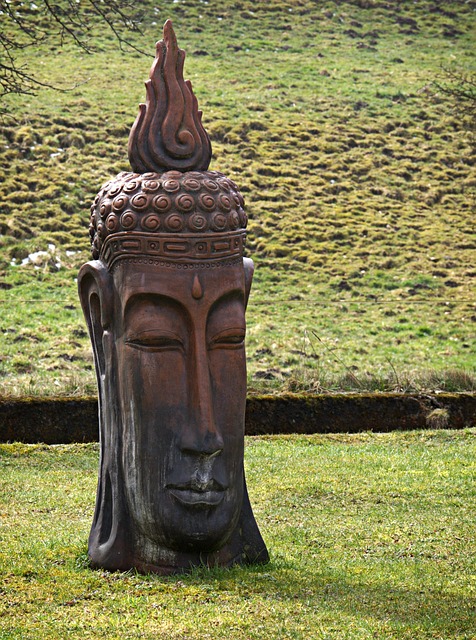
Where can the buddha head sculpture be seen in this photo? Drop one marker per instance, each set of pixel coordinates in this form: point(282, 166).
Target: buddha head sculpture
point(164, 299)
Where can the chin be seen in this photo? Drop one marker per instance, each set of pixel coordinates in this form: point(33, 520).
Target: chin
point(198, 527)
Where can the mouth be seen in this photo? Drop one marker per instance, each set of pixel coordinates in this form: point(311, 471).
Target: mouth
point(201, 496)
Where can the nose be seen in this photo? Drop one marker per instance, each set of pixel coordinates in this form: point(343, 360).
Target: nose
point(201, 436)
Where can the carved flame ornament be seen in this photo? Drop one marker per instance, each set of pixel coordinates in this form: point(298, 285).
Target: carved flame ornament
point(168, 133)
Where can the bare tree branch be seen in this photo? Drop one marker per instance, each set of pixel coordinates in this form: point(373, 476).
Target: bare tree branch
point(24, 25)
point(461, 86)
point(125, 21)
point(67, 25)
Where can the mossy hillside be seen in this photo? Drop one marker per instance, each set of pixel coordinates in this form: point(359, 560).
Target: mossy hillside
point(358, 179)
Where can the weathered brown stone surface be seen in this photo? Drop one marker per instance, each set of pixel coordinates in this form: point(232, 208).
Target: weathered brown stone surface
point(63, 421)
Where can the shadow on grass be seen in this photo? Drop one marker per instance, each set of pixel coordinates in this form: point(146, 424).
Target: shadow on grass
point(406, 607)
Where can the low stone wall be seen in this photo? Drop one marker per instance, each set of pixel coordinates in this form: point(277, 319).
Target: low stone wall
point(353, 413)
point(67, 420)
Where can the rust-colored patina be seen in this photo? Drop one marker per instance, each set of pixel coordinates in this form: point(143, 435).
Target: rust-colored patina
point(164, 299)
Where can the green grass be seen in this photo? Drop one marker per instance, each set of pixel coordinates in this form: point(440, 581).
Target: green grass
point(358, 177)
point(370, 536)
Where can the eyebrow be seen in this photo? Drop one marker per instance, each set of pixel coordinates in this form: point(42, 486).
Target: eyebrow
point(156, 298)
point(235, 295)
point(154, 306)
point(152, 299)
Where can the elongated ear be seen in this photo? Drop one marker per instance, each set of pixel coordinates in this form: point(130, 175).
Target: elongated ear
point(95, 293)
point(249, 270)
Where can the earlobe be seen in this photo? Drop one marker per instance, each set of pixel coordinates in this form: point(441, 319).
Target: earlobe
point(249, 270)
point(94, 278)
point(95, 293)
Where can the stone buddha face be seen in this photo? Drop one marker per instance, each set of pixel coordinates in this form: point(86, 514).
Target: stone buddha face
point(179, 341)
point(169, 343)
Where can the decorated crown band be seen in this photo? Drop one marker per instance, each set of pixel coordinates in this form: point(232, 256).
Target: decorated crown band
point(170, 207)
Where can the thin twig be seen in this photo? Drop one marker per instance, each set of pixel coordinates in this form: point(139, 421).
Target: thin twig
point(338, 360)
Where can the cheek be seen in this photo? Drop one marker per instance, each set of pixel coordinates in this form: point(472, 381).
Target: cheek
point(228, 379)
point(229, 362)
point(152, 390)
point(156, 379)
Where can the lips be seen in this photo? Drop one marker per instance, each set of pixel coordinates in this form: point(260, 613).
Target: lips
point(200, 496)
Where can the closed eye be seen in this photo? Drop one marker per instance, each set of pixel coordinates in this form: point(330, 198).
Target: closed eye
point(228, 339)
point(155, 341)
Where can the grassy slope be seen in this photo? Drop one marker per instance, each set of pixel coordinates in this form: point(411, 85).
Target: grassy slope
point(359, 184)
point(371, 536)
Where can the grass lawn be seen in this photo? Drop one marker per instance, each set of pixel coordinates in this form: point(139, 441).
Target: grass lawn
point(370, 536)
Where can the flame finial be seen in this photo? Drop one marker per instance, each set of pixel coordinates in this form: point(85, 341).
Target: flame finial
point(168, 132)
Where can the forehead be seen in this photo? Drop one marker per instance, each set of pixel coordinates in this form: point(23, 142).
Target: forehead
point(191, 285)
